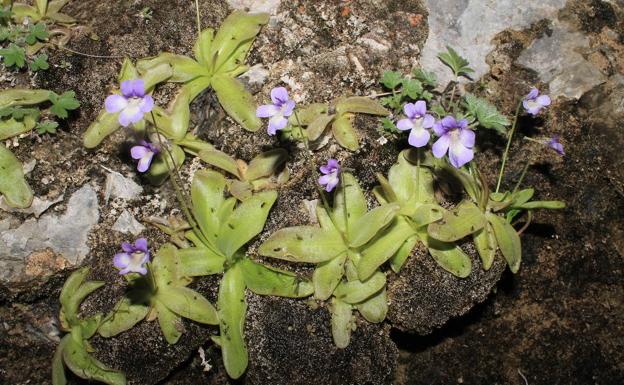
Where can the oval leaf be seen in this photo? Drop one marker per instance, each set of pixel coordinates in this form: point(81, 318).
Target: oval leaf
point(236, 101)
point(84, 366)
point(124, 316)
point(358, 291)
point(450, 257)
point(485, 242)
point(361, 105)
point(399, 258)
point(368, 225)
point(354, 199)
point(188, 304)
point(375, 308)
point(265, 280)
point(465, 219)
point(199, 261)
point(232, 312)
point(13, 186)
point(345, 133)
point(327, 276)
point(341, 322)
point(508, 241)
point(303, 244)
point(207, 191)
point(220, 160)
point(170, 323)
point(266, 164)
point(246, 222)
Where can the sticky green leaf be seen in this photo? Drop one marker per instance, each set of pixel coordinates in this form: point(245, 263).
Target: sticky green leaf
point(485, 243)
point(356, 205)
point(246, 222)
point(375, 308)
point(207, 191)
point(165, 266)
point(307, 114)
point(266, 164)
point(361, 105)
point(22, 97)
point(236, 101)
point(449, 256)
point(369, 224)
point(202, 46)
point(241, 190)
point(58, 369)
point(358, 291)
point(232, 312)
point(383, 247)
point(551, 205)
point(265, 280)
point(104, 125)
point(303, 244)
point(399, 258)
point(327, 276)
point(508, 241)
point(466, 218)
point(220, 160)
point(188, 304)
point(182, 68)
point(170, 323)
point(124, 316)
point(341, 322)
point(236, 30)
point(85, 366)
point(427, 213)
point(199, 261)
point(344, 132)
point(13, 186)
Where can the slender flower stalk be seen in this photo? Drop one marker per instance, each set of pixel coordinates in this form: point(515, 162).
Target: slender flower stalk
point(506, 153)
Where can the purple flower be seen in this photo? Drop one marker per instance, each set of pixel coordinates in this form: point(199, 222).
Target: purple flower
point(555, 145)
point(144, 153)
point(131, 104)
point(456, 138)
point(134, 257)
point(418, 121)
point(534, 102)
point(331, 175)
point(278, 112)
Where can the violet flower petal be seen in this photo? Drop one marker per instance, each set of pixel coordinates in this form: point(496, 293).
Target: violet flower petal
point(125, 246)
point(420, 108)
point(419, 137)
point(138, 88)
point(460, 155)
point(410, 111)
point(141, 244)
point(532, 94)
point(467, 138)
point(127, 88)
point(428, 121)
point(405, 124)
point(138, 152)
point(279, 95)
point(288, 108)
point(441, 146)
point(145, 162)
point(277, 123)
point(266, 111)
point(121, 260)
point(115, 103)
point(543, 100)
point(147, 104)
point(439, 129)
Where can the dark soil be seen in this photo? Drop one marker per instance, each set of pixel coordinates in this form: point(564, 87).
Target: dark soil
point(558, 321)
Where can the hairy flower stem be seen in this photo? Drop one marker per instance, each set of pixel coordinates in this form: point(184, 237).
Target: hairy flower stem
point(417, 174)
point(197, 14)
point(304, 138)
point(506, 153)
point(524, 171)
point(178, 191)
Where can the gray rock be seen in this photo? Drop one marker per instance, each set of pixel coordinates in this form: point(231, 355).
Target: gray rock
point(38, 206)
point(64, 234)
point(256, 6)
point(127, 224)
point(119, 186)
point(558, 60)
point(469, 26)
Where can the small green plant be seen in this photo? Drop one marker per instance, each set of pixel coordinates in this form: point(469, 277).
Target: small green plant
point(73, 350)
point(348, 248)
point(20, 113)
point(19, 44)
point(338, 115)
point(42, 10)
point(258, 175)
